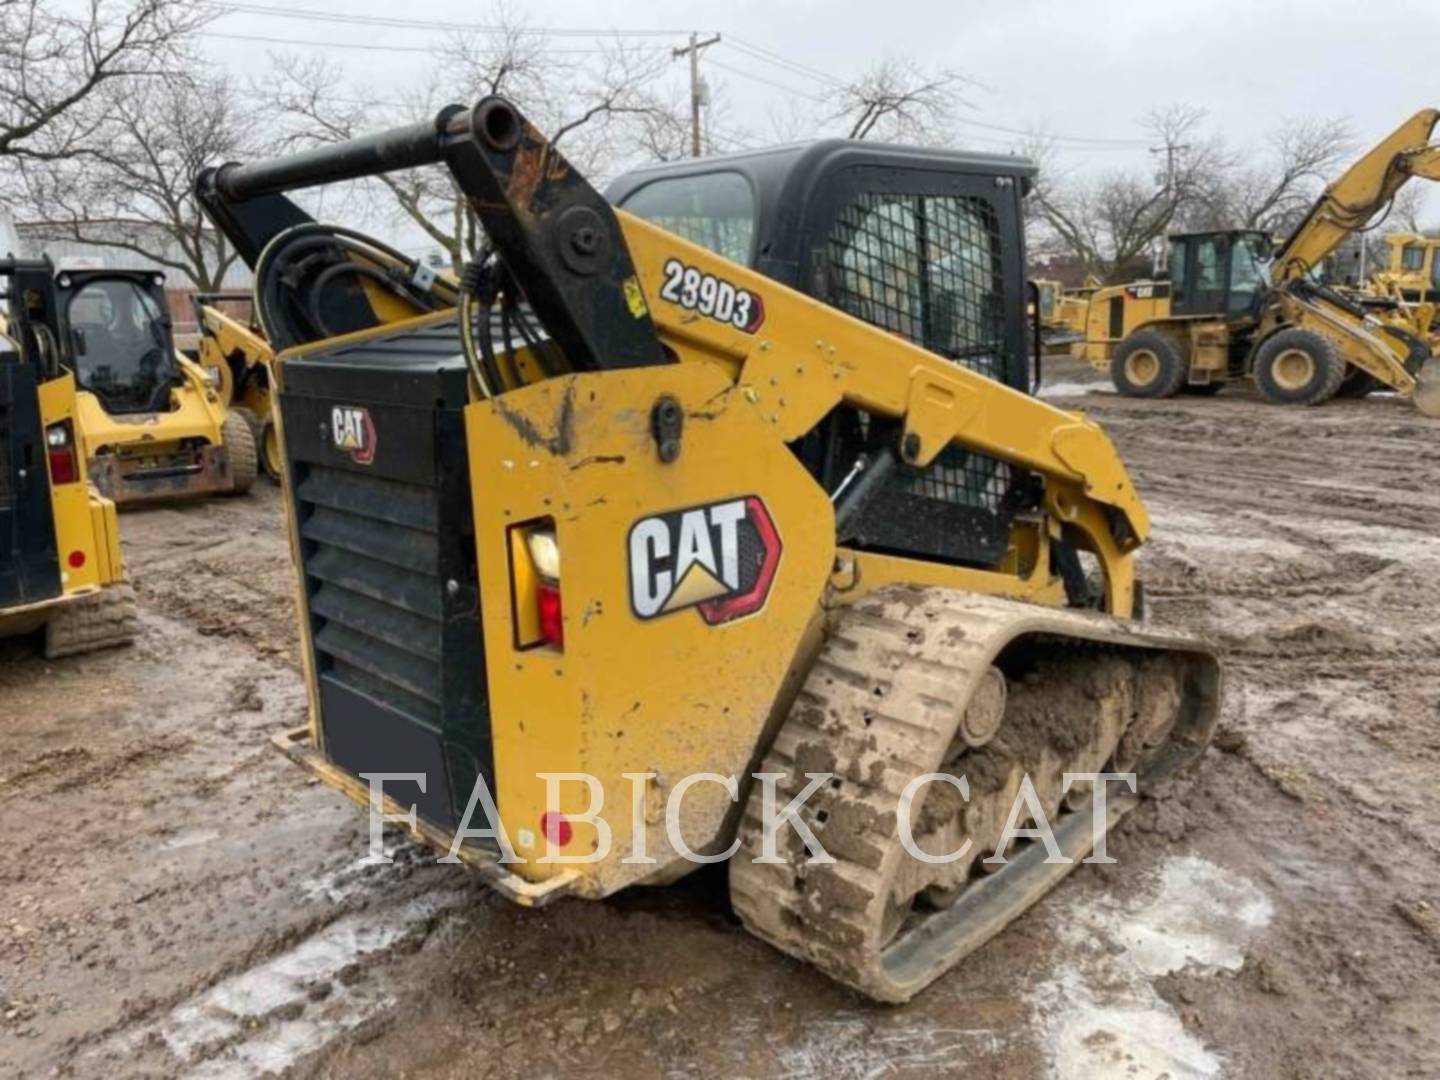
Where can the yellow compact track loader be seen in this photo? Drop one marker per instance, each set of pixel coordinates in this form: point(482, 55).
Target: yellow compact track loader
point(60, 564)
point(236, 357)
point(1233, 308)
point(731, 474)
point(152, 424)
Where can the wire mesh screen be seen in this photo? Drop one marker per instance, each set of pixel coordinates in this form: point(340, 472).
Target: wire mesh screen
point(929, 268)
point(926, 267)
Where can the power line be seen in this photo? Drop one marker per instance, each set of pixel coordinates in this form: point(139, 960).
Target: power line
point(768, 82)
point(369, 47)
point(226, 7)
point(765, 56)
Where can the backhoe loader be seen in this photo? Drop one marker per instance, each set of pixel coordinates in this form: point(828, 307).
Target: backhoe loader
point(60, 563)
point(1234, 308)
point(731, 474)
point(152, 424)
point(236, 357)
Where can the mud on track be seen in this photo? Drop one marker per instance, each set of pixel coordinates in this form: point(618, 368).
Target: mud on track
point(176, 898)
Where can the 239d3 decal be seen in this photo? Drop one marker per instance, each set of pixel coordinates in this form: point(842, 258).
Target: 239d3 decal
point(719, 558)
point(711, 296)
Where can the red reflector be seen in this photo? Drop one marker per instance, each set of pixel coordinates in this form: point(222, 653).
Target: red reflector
point(62, 467)
point(552, 626)
point(76, 560)
point(556, 829)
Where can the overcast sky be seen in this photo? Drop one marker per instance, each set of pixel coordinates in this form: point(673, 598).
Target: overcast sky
point(1077, 69)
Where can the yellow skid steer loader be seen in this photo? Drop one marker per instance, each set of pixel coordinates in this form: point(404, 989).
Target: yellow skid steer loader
point(60, 564)
point(632, 520)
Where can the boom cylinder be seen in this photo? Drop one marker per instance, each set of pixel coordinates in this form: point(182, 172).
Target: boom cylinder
point(406, 147)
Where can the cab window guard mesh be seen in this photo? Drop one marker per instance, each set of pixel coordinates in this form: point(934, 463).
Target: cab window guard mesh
point(926, 267)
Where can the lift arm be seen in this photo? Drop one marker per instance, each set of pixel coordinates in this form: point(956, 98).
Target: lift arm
point(1359, 194)
point(603, 284)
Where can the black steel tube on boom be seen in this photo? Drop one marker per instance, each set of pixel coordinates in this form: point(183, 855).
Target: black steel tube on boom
point(406, 147)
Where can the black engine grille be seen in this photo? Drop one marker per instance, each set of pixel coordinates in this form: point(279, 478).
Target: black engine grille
point(388, 557)
point(374, 557)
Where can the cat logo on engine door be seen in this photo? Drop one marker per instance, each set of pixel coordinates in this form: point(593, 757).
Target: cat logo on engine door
point(719, 558)
point(353, 432)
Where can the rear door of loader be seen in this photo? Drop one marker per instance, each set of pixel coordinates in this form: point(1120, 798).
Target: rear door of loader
point(29, 563)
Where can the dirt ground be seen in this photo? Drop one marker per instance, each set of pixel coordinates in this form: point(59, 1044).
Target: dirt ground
point(176, 898)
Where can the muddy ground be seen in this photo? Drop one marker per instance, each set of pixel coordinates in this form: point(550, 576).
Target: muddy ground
point(176, 898)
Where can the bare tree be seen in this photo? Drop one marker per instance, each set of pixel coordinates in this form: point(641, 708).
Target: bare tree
point(1110, 224)
point(56, 59)
point(1273, 191)
point(897, 102)
point(1407, 212)
point(134, 192)
point(588, 109)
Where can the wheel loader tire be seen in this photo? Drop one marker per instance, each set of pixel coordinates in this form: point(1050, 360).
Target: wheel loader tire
point(239, 440)
point(905, 686)
point(1147, 364)
point(1298, 367)
point(269, 443)
point(1358, 383)
point(98, 621)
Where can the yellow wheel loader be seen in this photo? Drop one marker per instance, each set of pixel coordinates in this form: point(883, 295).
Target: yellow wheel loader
point(1234, 308)
point(1060, 315)
point(60, 564)
point(719, 496)
point(236, 358)
point(152, 423)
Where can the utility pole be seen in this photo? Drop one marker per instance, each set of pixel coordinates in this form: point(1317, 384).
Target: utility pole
point(693, 51)
point(1171, 151)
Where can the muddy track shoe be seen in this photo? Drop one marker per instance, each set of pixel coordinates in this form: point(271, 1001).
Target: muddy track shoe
point(98, 621)
point(915, 681)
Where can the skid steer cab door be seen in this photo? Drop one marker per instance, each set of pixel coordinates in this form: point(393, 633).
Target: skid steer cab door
point(118, 338)
point(29, 564)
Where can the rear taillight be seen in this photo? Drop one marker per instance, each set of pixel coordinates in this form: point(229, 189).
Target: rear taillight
point(551, 613)
point(535, 578)
point(60, 449)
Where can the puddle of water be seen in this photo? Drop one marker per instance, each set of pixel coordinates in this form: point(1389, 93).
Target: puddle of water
point(1100, 1013)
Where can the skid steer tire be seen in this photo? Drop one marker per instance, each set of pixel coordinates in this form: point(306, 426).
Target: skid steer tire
point(239, 440)
point(1147, 364)
point(99, 621)
point(1298, 367)
point(269, 445)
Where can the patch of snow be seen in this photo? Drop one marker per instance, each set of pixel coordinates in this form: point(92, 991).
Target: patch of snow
point(1100, 1013)
point(262, 1020)
point(1075, 389)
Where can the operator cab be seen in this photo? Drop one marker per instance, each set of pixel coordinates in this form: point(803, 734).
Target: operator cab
point(1219, 273)
point(923, 243)
point(926, 244)
point(118, 338)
